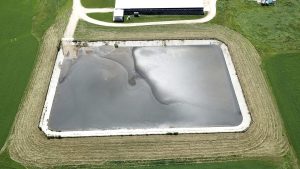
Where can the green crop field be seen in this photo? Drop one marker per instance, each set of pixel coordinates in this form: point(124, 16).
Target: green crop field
point(22, 27)
point(23, 24)
point(274, 34)
point(17, 55)
point(98, 3)
point(283, 71)
point(271, 29)
point(7, 163)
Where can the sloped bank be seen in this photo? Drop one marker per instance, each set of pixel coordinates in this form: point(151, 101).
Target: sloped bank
point(264, 138)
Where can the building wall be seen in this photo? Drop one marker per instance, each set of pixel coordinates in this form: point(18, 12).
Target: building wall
point(165, 11)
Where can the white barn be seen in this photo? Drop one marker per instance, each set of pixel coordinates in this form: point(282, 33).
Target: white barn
point(157, 7)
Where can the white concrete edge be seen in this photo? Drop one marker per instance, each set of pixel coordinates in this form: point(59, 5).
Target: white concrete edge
point(152, 43)
point(95, 132)
point(237, 89)
point(50, 94)
point(98, 10)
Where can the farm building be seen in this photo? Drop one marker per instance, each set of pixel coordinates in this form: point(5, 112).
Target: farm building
point(266, 2)
point(157, 7)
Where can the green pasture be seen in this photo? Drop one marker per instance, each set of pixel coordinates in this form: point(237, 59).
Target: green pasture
point(283, 72)
point(7, 163)
point(23, 24)
point(98, 3)
point(275, 33)
point(17, 55)
point(271, 29)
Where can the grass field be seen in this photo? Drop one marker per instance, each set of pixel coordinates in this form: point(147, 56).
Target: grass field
point(274, 34)
point(271, 30)
point(98, 3)
point(22, 27)
point(7, 163)
point(17, 55)
point(283, 71)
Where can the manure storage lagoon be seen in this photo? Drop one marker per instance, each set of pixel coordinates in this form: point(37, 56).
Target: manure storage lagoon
point(144, 87)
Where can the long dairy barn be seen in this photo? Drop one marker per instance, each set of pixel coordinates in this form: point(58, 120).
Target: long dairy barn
point(157, 7)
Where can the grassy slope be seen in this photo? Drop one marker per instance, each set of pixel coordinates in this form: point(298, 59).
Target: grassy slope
point(272, 30)
point(22, 27)
point(283, 71)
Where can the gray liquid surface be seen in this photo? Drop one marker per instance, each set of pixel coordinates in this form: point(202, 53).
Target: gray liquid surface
point(144, 87)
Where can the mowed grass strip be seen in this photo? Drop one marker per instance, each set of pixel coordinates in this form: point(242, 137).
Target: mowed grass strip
point(244, 164)
point(98, 3)
point(283, 71)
